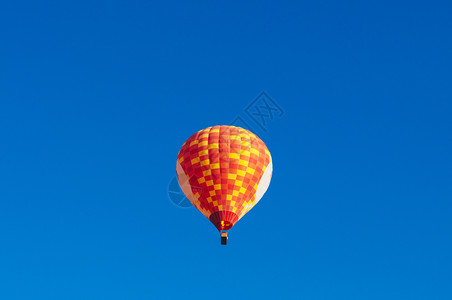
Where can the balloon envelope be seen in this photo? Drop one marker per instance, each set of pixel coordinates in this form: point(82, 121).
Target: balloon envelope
point(224, 171)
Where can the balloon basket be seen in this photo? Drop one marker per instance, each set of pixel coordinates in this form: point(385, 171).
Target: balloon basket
point(224, 238)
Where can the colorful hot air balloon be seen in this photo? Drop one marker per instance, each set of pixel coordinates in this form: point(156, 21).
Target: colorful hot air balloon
point(224, 171)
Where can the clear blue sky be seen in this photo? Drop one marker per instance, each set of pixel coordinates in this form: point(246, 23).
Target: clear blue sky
point(96, 98)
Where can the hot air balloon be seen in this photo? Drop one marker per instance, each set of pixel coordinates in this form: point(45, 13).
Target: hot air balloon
point(224, 171)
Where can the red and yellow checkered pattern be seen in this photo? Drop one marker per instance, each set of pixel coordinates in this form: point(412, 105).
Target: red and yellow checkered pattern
point(223, 165)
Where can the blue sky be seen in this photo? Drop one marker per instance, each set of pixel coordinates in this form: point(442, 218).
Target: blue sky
point(96, 98)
